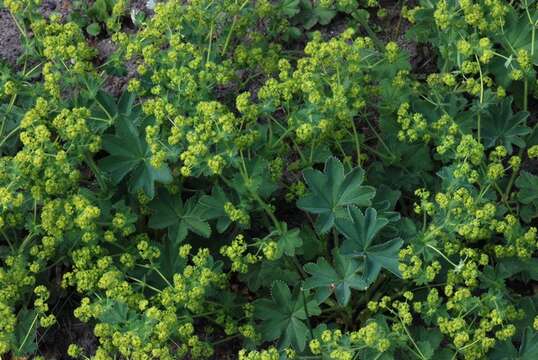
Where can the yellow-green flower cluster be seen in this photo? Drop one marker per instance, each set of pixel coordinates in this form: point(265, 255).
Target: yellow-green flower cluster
point(413, 125)
point(236, 214)
point(519, 243)
point(72, 126)
point(236, 253)
point(317, 85)
point(533, 152)
point(66, 51)
point(334, 344)
point(185, 292)
point(269, 354)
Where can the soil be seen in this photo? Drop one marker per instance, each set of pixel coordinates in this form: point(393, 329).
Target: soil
point(115, 85)
point(10, 43)
point(53, 344)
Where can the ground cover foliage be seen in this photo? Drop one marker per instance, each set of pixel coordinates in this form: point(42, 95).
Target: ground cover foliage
point(266, 180)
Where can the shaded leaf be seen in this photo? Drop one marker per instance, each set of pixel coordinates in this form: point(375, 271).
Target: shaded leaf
point(360, 232)
point(289, 241)
point(264, 273)
point(332, 191)
point(283, 316)
point(130, 155)
point(500, 126)
point(170, 212)
point(339, 279)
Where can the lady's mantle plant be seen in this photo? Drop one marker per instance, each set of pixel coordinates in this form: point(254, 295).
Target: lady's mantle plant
point(271, 180)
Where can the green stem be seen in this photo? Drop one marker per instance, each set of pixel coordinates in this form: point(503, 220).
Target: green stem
point(32, 70)
point(232, 28)
point(442, 255)
point(267, 210)
point(301, 155)
point(226, 339)
point(26, 241)
point(154, 268)
point(210, 43)
point(380, 139)
point(469, 345)
point(481, 98)
point(96, 172)
point(27, 334)
point(520, 153)
point(299, 267)
point(357, 143)
point(9, 135)
point(525, 96)
point(21, 30)
point(144, 284)
point(368, 294)
point(8, 241)
point(375, 152)
point(256, 197)
point(418, 352)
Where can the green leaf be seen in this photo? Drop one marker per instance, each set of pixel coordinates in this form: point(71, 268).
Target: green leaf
point(425, 349)
point(311, 16)
point(213, 206)
point(528, 304)
point(170, 212)
point(130, 156)
point(283, 316)
point(126, 103)
point(99, 10)
point(114, 312)
point(384, 202)
point(517, 33)
point(527, 184)
point(292, 32)
point(359, 234)
point(500, 126)
point(324, 15)
point(105, 104)
point(528, 187)
point(264, 273)
point(289, 241)
point(258, 179)
point(529, 212)
point(313, 246)
point(428, 340)
point(290, 8)
point(340, 279)
point(125, 319)
point(509, 266)
point(93, 29)
point(332, 191)
point(169, 263)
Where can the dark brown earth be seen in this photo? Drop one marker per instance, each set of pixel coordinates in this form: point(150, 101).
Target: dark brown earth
point(10, 44)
